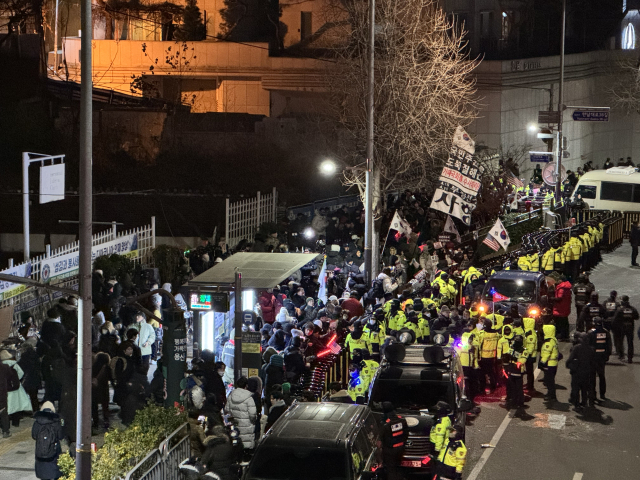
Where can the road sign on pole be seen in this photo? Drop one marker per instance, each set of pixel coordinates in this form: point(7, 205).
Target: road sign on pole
point(548, 116)
point(591, 115)
point(541, 157)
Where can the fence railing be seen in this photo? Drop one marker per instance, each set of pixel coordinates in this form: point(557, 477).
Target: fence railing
point(243, 218)
point(163, 462)
point(137, 244)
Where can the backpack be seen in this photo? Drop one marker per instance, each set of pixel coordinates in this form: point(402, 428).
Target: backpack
point(47, 442)
point(13, 381)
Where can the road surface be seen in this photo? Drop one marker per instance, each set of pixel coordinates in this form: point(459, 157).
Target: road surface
point(553, 442)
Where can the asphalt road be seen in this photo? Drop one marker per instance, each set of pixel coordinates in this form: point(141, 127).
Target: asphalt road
point(552, 441)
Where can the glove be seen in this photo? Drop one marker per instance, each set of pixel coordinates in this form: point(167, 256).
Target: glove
point(542, 366)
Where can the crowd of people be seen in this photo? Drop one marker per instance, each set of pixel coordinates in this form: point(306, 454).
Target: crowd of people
point(426, 287)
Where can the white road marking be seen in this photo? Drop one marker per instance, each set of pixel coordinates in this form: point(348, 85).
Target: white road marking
point(577, 476)
point(495, 439)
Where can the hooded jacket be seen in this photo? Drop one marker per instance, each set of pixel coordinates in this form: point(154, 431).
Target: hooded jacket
point(549, 351)
point(530, 337)
point(274, 374)
point(268, 305)
point(241, 406)
point(48, 467)
point(562, 305)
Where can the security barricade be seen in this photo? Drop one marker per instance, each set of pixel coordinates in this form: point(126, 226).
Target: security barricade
point(163, 462)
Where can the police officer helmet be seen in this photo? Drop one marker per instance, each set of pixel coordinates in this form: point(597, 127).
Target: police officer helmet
point(378, 314)
point(443, 408)
point(395, 304)
point(517, 341)
point(418, 305)
point(597, 321)
point(625, 298)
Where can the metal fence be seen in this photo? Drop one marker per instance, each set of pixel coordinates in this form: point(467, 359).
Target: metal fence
point(25, 298)
point(243, 218)
point(163, 462)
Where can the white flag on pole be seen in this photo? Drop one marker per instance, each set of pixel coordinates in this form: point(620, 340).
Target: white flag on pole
point(450, 227)
point(402, 226)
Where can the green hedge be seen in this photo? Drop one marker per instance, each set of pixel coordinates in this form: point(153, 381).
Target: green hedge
point(124, 448)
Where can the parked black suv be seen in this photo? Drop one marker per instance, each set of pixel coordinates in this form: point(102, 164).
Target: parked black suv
point(415, 378)
point(319, 441)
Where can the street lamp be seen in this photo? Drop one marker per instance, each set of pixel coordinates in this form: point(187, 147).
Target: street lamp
point(533, 128)
point(328, 168)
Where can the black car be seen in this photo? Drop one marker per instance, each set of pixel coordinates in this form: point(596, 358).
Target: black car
point(527, 290)
point(415, 378)
point(319, 441)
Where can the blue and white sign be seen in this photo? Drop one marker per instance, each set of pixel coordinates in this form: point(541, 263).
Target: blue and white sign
point(541, 157)
point(591, 115)
point(64, 266)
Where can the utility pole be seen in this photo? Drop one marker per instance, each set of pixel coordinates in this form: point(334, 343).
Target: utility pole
point(237, 339)
point(83, 428)
point(559, 146)
point(368, 222)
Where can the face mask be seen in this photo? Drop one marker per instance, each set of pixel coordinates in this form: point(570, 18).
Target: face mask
point(372, 322)
point(479, 326)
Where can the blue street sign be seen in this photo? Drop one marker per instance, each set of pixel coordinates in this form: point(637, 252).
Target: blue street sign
point(591, 116)
point(540, 158)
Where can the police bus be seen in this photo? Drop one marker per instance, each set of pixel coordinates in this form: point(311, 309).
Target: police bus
point(616, 188)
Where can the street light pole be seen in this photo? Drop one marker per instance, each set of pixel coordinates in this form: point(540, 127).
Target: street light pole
point(559, 146)
point(368, 219)
point(83, 428)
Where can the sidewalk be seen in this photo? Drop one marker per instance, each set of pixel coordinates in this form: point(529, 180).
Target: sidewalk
point(17, 453)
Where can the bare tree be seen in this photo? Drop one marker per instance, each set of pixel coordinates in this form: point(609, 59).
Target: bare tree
point(423, 90)
point(625, 91)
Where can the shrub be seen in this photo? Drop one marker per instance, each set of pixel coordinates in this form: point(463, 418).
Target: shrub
point(124, 448)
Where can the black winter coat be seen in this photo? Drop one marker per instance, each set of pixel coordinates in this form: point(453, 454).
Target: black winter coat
point(218, 457)
point(30, 365)
point(48, 468)
point(581, 360)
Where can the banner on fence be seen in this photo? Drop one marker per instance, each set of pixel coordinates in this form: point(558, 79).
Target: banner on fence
point(460, 180)
point(8, 289)
point(65, 266)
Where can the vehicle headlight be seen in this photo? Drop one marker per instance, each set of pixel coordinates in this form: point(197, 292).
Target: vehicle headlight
point(406, 338)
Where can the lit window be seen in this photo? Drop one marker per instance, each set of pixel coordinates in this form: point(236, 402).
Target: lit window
point(629, 37)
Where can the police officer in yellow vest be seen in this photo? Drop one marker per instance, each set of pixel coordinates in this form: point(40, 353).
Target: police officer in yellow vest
point(395, 318)
point(549, 357)
point(514, 366)
point(358, 385)
point(423, 324)
point(367, 366)
point(452, 456)
point(467, 350)
point(488, 352)
point(441, 427)
point(374, 333)
point(356, 339)
point(531, 345)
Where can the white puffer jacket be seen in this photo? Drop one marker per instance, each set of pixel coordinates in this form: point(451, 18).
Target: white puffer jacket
point(241, 405)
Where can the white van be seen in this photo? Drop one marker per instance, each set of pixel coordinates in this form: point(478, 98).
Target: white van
point(617, 188)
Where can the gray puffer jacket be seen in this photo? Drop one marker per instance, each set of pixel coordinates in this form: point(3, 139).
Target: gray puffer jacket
point(242, 407)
